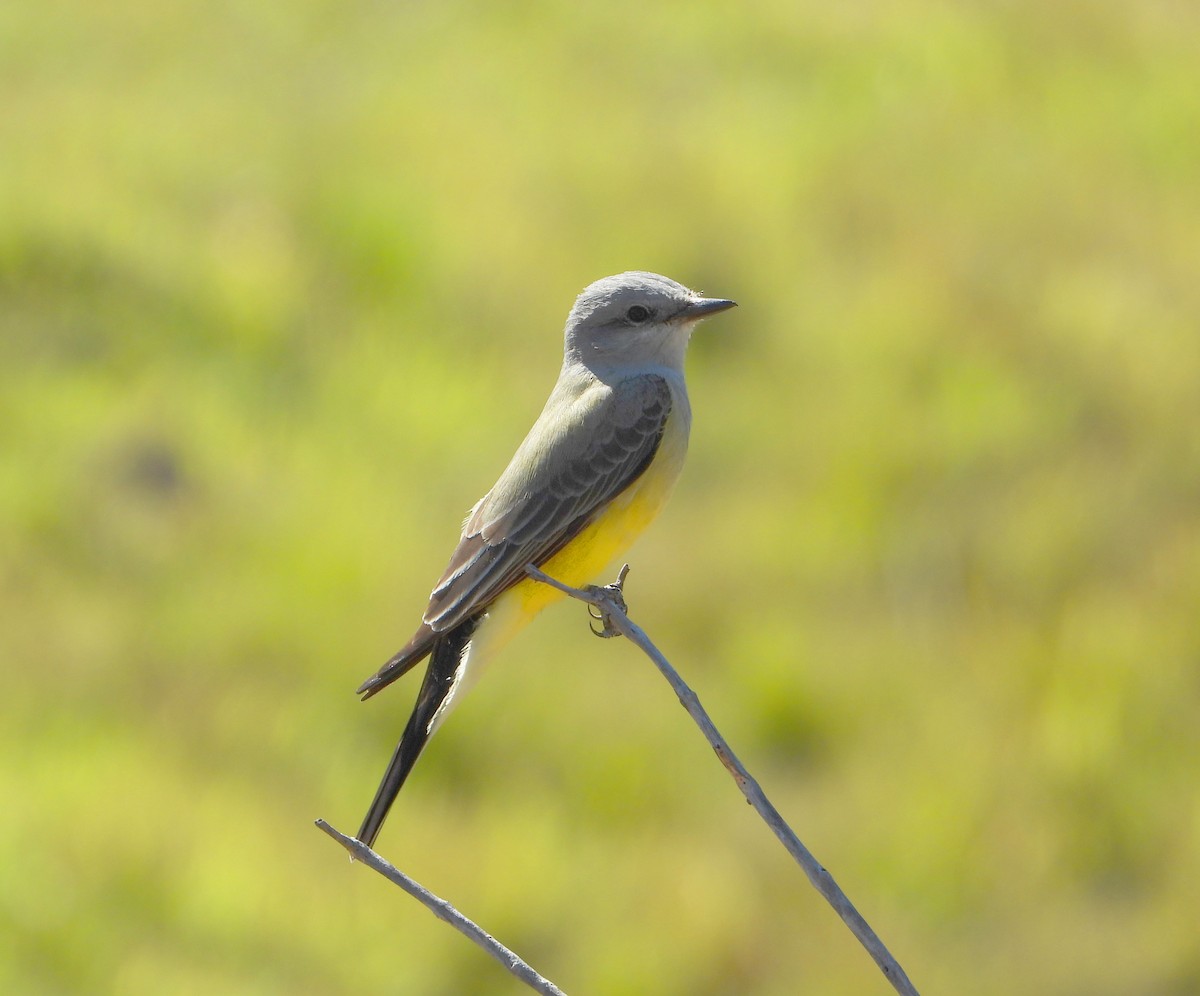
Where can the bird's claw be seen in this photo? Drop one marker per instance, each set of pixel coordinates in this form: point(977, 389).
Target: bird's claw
point(613, 592)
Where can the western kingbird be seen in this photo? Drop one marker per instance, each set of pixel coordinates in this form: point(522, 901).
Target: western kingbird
point(593, 472)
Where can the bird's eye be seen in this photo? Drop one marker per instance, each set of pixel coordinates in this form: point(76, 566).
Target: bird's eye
point(638, 314)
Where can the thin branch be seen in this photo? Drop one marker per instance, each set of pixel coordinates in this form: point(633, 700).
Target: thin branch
point(611, 606)
point(444, 911)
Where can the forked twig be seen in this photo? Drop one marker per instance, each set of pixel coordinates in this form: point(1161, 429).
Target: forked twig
point(608, 601)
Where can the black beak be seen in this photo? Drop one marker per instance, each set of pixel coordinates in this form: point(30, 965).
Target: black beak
point(702, 307)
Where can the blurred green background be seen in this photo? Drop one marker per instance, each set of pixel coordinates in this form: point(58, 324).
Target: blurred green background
point(281, 288)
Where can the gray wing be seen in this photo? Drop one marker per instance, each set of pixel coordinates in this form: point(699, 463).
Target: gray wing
point(532, 513)
point(580, 455)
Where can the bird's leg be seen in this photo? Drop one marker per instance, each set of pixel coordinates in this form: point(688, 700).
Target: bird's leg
point(612, 591)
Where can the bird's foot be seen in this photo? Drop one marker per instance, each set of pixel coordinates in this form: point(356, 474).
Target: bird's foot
point(614, 593)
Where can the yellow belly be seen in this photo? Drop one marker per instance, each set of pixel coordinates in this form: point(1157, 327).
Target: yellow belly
point(586, 558)
point(582, 561)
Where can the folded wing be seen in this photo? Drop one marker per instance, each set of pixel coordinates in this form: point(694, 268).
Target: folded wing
point(576, 460)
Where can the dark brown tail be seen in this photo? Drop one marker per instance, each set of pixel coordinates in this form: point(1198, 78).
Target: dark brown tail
point(449, 650)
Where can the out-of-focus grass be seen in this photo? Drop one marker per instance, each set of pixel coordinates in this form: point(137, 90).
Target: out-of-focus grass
point(279, 292)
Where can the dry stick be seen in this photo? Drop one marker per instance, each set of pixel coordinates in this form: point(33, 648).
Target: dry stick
point(444, 911)
point(612, 612)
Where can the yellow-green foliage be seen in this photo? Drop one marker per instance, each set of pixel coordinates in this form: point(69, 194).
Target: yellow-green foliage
point(281, 287)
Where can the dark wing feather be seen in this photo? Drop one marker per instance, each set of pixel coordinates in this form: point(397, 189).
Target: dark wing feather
point(423, 642)
point(604, 448)
point(604, 452)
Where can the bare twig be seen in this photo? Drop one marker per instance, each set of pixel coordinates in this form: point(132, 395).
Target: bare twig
point(612, 615)
point(444, 911)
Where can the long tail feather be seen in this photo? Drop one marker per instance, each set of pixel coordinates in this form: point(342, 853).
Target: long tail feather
point(438, 685)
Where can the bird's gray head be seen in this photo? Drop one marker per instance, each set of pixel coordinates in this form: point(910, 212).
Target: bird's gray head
point(635, 318)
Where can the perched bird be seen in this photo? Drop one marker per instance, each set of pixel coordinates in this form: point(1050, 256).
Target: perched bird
point(593, 472)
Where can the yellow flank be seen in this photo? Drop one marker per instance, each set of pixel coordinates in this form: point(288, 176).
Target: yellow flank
point(584, 559)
